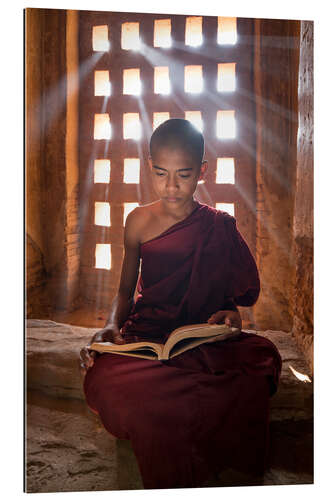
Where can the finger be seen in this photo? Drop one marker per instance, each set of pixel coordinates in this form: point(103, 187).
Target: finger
point(218, 317)
point(87, 358)
point(213, 318)
point(228, 320)
point(118, 338)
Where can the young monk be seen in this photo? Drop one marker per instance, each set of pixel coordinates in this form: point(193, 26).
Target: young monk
point(189, 417)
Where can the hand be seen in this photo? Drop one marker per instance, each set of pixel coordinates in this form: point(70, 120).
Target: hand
point(87, 357)
point(230, 318)
point(108, 334)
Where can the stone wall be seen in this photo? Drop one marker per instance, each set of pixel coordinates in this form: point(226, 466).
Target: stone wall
point(51, 160)
point(303, 215)
point(35, 267)
point(276, 78)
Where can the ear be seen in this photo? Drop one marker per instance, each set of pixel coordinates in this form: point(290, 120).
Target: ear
point(203, 169)
point(150, 162)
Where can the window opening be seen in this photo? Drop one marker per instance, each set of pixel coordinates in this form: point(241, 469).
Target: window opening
point(102, 126)
point(100, 38)
point(225, 171)
point(132, 170)
point(102, 170)
point(130, 36)
point(226, 77)
point(227, 30)
point(103, 256)
point(226, 207)
point(162, 33)
point(193, 31)
point(193, 82)
point(226, 124)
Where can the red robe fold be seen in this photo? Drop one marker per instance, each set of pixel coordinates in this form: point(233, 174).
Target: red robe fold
point(208, 408)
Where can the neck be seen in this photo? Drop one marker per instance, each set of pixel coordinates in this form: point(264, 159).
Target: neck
point(179, 212)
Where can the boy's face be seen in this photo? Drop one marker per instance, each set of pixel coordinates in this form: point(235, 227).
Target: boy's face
point(175, 175)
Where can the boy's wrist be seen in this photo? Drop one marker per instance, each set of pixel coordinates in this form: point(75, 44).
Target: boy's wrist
point(112, 325)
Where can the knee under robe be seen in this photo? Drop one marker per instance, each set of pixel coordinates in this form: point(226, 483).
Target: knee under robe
point(208, 408)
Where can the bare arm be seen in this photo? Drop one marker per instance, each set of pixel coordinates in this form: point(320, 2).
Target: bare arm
point(123, 301)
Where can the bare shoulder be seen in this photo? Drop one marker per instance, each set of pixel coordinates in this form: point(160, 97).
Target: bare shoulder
point(138, 220)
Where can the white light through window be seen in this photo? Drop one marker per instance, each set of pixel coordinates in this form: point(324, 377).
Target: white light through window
point(226, 207)
point(226, 124)
point(226, 77)
point(193, 31)
point(195, 118)
point(100, 38)
point(101, 171)
point(132, 82)
point(161, 80)
point(132, 126)
point(102, 213)
point(102, 126)
point(225, 171)
point(128, 207)
point(193, 79)
point(132, 170)
point(162, 33)
point(226, 30)
point(103, 256)
point(159, 118)
point(102, 83)
point(130, 38)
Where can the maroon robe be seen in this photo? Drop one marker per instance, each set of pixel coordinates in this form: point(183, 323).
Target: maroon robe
point(208, 408)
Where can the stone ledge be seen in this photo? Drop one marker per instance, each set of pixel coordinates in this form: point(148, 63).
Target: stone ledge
point(52, 352)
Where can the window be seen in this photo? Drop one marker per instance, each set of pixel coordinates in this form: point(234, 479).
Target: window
point(102, 83)
point(132, 82)
point(149, 68)
point(193, 31)
point(159, 118)
point(130, 38)
point(225, 171)
point(193, 81)
point(162, 80)
point(100, 40)
point(195, 118)
point(103, 256)
point(162, 33)
point(102, 128)
point(227, 30)
point(102, 171)
point(132, 170)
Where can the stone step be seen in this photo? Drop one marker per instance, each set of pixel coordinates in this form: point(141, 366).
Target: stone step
point(52, 366)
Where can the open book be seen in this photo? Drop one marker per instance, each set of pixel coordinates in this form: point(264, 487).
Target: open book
point(180, 340)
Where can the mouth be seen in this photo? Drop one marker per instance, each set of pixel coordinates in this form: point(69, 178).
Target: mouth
point(171, 199)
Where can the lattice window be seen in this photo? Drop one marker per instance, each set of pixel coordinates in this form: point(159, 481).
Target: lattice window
point(142, 69)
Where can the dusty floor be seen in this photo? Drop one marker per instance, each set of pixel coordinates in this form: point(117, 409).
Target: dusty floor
point(69, 450)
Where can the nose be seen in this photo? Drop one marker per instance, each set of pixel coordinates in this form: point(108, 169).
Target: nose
point(171, 182)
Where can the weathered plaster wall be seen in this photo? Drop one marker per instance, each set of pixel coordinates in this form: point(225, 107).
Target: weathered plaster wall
point(276, 80)
point(72, 157)
point(51, 160)
point(303, 219)
point(35, 266)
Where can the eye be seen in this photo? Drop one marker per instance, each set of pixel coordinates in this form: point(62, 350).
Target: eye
point(184, 176)
point(159, 174)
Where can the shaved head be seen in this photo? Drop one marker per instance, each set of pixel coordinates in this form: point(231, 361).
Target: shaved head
point(180, 134)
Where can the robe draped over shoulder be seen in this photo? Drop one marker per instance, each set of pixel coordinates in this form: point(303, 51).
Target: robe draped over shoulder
point(208, 408)
point(190, 271)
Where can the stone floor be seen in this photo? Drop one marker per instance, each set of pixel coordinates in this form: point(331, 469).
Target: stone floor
point(67, 448)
